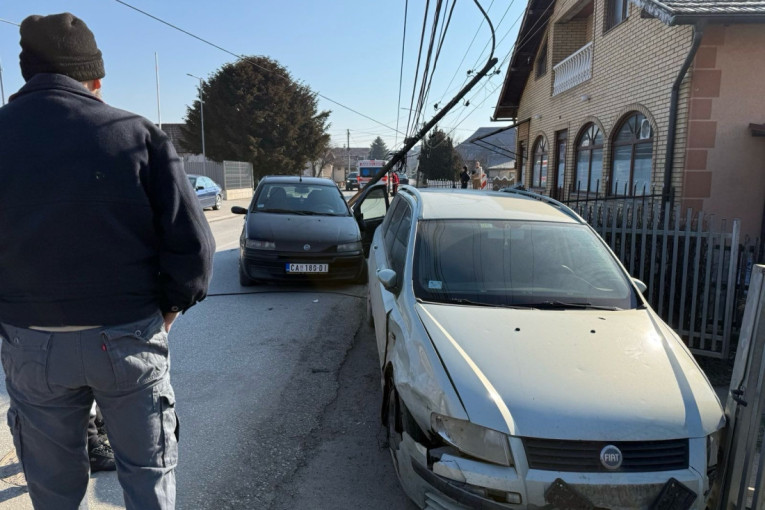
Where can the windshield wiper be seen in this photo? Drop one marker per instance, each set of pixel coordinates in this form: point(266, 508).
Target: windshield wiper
point(284, 211)
point(562, 305)
point(463, 301)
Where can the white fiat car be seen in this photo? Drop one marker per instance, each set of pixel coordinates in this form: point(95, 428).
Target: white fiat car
point(521, 366)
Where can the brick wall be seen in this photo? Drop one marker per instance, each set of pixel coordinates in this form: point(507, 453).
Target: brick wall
point(634, 66)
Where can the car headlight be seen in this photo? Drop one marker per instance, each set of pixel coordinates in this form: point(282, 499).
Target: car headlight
point(474, 440)
point(354, 246)
point(257, 244)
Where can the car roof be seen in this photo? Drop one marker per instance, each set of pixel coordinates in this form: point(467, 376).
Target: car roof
point(476, 204)
point(294, 179)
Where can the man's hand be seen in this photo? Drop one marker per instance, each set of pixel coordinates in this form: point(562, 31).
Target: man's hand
point(169, 319)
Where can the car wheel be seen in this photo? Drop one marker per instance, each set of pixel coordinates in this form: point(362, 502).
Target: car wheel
point(393, 424)
point(244, 280)
point(218, 200)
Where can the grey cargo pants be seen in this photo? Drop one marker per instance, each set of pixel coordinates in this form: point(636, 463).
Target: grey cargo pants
point(52, 379)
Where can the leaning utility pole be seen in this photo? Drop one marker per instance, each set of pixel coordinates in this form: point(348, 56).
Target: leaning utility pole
point(410, 142)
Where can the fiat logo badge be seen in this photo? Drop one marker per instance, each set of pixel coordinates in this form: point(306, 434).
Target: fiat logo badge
point(306, 247)
point(611, 457)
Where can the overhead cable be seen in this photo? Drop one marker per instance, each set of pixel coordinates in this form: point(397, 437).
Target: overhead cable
point(248, 59)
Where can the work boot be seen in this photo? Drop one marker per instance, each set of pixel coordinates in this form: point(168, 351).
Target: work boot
point(102, 458)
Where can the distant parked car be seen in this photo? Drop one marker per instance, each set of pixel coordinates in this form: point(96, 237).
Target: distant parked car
point(296, 229)
point(352, 181)
point(521, 366)
point(402, 178)
point(208, 191)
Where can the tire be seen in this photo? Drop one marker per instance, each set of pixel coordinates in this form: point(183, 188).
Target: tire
point(244, 280)
point(218, 200)
point(393, 426)
point(362, 277)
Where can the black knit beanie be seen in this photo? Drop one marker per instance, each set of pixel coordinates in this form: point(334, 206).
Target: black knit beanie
point(62, 44)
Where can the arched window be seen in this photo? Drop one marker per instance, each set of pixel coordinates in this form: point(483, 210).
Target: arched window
point(589, 160)
point(539, 176)
point(633, 157)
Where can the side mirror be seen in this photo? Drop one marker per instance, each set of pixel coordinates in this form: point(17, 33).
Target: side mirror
point(388, 278)
point(238, 210)
point(199, 188)
point(642, 287)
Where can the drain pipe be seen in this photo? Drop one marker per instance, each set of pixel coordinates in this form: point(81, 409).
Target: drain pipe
point(698, 33)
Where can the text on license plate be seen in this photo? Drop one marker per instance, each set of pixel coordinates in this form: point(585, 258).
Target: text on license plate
point(307, 268)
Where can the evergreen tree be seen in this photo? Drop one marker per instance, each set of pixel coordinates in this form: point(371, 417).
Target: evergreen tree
point(438, 158)
point(378, 150)
point(254, 111)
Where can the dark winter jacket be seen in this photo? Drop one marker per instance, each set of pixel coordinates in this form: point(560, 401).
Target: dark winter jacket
point(98, 221)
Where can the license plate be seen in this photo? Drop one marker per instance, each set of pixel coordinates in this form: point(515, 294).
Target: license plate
point(307, 268)
point(674, 496)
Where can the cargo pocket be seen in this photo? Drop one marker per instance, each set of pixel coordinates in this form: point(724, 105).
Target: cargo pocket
point(138, 352)
point(170, 425)
point(25, 360)
point(14, 423)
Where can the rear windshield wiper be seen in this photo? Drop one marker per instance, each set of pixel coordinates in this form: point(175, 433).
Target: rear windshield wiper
point(562, 305)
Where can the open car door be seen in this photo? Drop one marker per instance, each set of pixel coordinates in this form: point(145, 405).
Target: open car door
point(369, 211)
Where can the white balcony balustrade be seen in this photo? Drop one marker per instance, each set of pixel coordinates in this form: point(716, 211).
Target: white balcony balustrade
point(572, 71)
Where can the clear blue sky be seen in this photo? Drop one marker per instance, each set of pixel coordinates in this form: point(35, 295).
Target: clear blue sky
point(346, 50)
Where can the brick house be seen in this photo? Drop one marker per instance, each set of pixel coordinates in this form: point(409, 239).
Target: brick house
point(601, 91)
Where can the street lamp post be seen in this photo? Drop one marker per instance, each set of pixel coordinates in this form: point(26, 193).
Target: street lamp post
point(202, 116)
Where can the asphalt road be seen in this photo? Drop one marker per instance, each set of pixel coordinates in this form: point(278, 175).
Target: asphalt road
point(278, 397)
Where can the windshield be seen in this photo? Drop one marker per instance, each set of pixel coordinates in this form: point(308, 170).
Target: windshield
point(315, 199)
point(517, 263)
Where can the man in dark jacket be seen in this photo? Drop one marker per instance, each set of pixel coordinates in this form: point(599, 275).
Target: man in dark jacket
point(464, 177)
point(103, 245)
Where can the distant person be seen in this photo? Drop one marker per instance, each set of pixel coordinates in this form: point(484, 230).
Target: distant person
point(464, 177)
point(395, 181)
point(92, 276)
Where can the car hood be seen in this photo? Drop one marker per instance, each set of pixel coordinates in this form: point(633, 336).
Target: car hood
point(315, 230)
point(572, 374)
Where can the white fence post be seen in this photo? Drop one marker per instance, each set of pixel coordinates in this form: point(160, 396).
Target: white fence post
point(744, 406)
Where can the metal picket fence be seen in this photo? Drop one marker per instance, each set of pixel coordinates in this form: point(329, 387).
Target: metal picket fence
point(691, 264)
point(229, 174)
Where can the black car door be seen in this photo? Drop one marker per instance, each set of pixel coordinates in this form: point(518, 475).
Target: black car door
point(369, 211)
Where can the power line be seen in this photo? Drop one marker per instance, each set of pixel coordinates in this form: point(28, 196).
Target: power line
point(466, 54)
point(248, 59)
point(401, 71)
point(424, 84)
point(9, 22)
point(417, 69)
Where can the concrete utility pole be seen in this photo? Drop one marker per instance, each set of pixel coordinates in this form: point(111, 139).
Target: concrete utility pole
point(410, 142)
point(348, 145)
point(202, 115)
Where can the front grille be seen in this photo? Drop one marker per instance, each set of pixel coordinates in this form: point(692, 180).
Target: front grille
point(584, 456)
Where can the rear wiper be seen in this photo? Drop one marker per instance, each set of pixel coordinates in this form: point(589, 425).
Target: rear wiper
point(562, 305)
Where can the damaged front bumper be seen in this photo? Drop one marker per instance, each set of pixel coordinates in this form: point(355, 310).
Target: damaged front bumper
point(438, 479)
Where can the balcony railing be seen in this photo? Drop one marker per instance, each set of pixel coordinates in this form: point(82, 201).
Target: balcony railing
point(576, 69)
